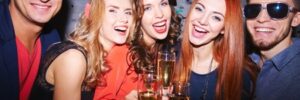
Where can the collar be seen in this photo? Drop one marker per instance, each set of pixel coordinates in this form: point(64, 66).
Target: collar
point(285, 56)
point(6, 28)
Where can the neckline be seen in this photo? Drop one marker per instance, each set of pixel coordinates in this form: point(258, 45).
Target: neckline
point(205, 89)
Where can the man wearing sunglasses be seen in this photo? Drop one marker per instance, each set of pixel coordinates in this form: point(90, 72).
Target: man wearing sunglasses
point(270, 24)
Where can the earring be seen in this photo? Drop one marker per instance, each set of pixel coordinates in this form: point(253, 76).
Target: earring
point(87, 10)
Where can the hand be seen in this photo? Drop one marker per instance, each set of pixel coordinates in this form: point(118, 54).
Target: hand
point(133, 95)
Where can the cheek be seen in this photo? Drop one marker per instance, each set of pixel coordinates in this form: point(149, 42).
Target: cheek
point(58, 4)
point(167, 12)
point(130, 21)
point(146, 22)
point(107, 26)
point(217, 28)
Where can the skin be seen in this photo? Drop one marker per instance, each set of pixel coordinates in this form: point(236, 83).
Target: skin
point(68, 70)
point(116, 23)
point(155, 25)
point(156, 20)
point(272, 36)
point(29, 17)
point(206, 22)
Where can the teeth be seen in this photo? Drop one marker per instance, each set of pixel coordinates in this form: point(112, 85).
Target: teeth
point(263, 30)
point(200, 29)
point(41, 6)
point(160, 24)
point(121, 28)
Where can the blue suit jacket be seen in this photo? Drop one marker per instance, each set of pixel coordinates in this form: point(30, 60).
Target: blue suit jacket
point(9, 75)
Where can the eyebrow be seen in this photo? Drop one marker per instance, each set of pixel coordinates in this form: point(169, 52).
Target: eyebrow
point(116, 7)
point(213, 11)
point(151, 4)
point(200, 4)
point(113, 6)
point(218, 13)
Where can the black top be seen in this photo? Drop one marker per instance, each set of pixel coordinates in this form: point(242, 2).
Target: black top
point(42, 90)
point(198, 85)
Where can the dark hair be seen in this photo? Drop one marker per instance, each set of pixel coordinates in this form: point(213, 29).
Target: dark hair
point(297, 4)
point(142, 56)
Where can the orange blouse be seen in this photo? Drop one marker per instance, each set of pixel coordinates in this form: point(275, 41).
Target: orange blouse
point(118, 82)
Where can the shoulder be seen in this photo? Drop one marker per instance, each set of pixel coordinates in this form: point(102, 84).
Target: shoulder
point(70, 65)
point(6, 27)
point(70, 58)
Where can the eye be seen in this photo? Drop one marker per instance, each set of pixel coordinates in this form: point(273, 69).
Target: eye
point(147, 8)
point(199, 9)
point(217, 18)
point(165, 3)
point(128, 13)
point(112, 11)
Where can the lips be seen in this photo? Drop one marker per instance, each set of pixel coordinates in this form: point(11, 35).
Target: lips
point(41, 6)
point(198, 31)
point(121, 29)
point(264, 29)
point(160, 27)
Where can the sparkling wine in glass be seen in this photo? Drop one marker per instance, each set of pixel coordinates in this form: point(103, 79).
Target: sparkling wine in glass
point(165, 68)
point(180, 91)
point(147, 89)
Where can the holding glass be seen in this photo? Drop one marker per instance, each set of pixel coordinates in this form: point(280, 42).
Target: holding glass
point(147, 89)
point(180, 91)
point(165, 68)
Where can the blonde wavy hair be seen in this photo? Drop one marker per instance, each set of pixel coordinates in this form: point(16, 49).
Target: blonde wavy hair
point(87, 35)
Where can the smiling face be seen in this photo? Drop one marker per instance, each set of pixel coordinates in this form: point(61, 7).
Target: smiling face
point(117, 21)
point(156, 19)
point(36, 11)
point(206, 21)
point(267, 32)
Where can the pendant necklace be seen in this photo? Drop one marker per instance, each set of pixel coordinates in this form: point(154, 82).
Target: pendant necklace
point(204, 91)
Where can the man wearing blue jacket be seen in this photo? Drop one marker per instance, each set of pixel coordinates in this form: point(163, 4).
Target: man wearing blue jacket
point(23, 41)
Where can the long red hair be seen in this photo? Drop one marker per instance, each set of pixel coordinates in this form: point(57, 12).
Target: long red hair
point(228, 51)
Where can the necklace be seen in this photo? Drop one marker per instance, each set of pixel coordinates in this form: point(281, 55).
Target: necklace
point(204, 90)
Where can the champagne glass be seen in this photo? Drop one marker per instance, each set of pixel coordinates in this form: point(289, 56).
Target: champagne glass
point(180, 91)
point(165, 68)
point(147, 88)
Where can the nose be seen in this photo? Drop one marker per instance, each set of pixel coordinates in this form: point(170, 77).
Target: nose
point(159, 13)
point(124, 18)
point(44, 1)
point(263, 16)
point(203, 20)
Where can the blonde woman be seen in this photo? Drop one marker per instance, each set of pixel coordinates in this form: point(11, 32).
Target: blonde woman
point(72, 69)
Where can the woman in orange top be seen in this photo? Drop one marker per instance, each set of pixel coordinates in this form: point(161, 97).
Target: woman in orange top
point(114, 81)
point(119, 80)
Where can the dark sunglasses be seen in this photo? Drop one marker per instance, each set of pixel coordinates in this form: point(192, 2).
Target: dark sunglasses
point(275, 10)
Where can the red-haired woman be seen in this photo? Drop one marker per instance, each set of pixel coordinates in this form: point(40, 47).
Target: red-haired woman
point(213, 57)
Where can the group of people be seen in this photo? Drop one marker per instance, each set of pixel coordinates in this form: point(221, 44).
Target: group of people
point(116, 40)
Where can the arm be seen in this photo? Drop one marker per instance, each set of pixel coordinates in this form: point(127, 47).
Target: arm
point(69, 71)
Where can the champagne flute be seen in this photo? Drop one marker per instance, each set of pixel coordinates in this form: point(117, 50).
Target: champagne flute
point(165, 68)
point(147, 89)
point(180, 91)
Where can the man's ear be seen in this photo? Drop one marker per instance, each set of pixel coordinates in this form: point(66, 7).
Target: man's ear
point(296, 20)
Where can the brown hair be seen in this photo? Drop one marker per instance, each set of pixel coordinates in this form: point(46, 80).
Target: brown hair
point(143, 56)
point(228, 51)
point(297, 4)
